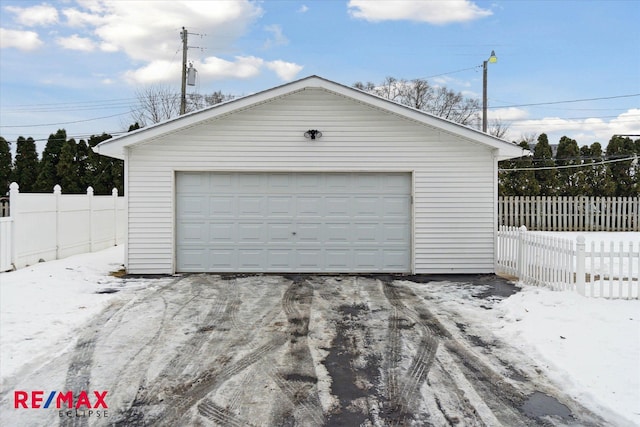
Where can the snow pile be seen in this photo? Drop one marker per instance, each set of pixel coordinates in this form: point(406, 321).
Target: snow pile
point(591, 346)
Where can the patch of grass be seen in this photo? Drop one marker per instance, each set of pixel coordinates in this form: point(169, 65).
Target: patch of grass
point(119, 274)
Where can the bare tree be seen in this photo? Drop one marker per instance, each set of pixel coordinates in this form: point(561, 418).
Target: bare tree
point(419, 94)
point(499, 129)
point(158, 103)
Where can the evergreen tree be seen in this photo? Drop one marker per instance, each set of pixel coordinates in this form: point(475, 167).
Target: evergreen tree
point(67, 169)
point(597, 178)
point(543, 158)
point(83, 152)
point(5, 166)
point(624, 174)
point(48, 173)
point(104, 173)
point(26, 164)
point(568, 154)
point(518, 182)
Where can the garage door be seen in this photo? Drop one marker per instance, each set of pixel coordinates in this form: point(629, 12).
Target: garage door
point(293, 222)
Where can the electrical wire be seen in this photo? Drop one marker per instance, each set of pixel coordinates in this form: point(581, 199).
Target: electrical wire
point(568, 166)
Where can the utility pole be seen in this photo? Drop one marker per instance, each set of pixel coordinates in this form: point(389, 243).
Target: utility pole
point(183, 96)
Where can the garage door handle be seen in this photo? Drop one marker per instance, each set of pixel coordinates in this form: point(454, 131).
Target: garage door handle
point(294, 233)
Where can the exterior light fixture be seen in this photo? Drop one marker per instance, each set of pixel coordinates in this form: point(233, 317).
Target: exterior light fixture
point(492, 60)
point(312, 134)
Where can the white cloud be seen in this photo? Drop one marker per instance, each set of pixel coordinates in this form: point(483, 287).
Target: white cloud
point(160, 71)
point(75, 42)
point(243, 67)
point(22, 40)
point(584, 131)
point(285, 70)
point(277, 39)
point(303, 9)
point(507, 114)
point(76, 18)
point(150, 30)
point(432, 12)
point(36, 15)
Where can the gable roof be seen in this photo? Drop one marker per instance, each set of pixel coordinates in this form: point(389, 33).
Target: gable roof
point(115, 147)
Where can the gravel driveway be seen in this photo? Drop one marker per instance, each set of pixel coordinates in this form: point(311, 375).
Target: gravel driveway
point(305, 350)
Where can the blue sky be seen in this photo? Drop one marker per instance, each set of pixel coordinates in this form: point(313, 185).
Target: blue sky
point(77, 64)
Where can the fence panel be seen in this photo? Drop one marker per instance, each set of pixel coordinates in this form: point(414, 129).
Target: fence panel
point(53, 226)
point(613, 270)
point(6, 236)
point(599, 270)
point(570, 213)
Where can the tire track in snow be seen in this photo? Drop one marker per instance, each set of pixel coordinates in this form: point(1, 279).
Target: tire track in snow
point(403, 390)
point(220, 415)
point(298, 379)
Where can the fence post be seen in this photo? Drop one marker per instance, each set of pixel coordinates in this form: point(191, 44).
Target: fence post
point(57, 191)
point(114, 194)
point(14, 213)
point(91, 236)
point(580, 265)
point(520, 260)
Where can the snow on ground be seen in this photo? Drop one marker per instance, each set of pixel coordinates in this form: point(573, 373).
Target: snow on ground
point(41, 305)
point(591, 346)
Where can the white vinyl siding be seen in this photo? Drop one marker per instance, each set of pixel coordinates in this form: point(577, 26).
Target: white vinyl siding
point(454, 182)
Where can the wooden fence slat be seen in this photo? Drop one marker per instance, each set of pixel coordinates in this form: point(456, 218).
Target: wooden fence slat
point(554, 213)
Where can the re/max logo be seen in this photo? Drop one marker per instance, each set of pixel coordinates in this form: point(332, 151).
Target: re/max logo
point(57, 399)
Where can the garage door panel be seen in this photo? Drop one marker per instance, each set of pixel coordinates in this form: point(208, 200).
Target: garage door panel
point(366, 206)
point(192, 182)
point(279, 259)
point(310, 259)
point(394, 232)
point(221, 206)
point(308, 232)
point(192, 207)
point(280, 206)
point(337, 207)
point(221, 260)
point(306, 222)
point(395, 206)
point(222, 232)
point(251, 258)
point(278, 232)
point(309, 206)
point(250, 183)
point(252, 232)
point(194, 232)
point(337, 232)
point(366, 232)
point(250, 206)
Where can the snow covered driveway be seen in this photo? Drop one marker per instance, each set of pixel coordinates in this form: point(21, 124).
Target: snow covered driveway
point(299, 350)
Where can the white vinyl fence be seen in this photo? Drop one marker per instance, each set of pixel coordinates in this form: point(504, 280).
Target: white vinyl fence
point(44, 227)
point(571, 213)
point(607, 270)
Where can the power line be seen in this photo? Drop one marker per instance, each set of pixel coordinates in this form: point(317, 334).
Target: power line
point(568, 101)
point(65, 123)
point(568, 166)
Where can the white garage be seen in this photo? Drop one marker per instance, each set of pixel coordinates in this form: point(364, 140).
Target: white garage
point(293, 222)
point(310, 176)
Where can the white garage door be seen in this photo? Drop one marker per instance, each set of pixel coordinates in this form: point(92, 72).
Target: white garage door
point(293, 222)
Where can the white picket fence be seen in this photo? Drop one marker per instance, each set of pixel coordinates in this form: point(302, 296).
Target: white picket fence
point(600, 270)
point(44, 227)
point(571, 213)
